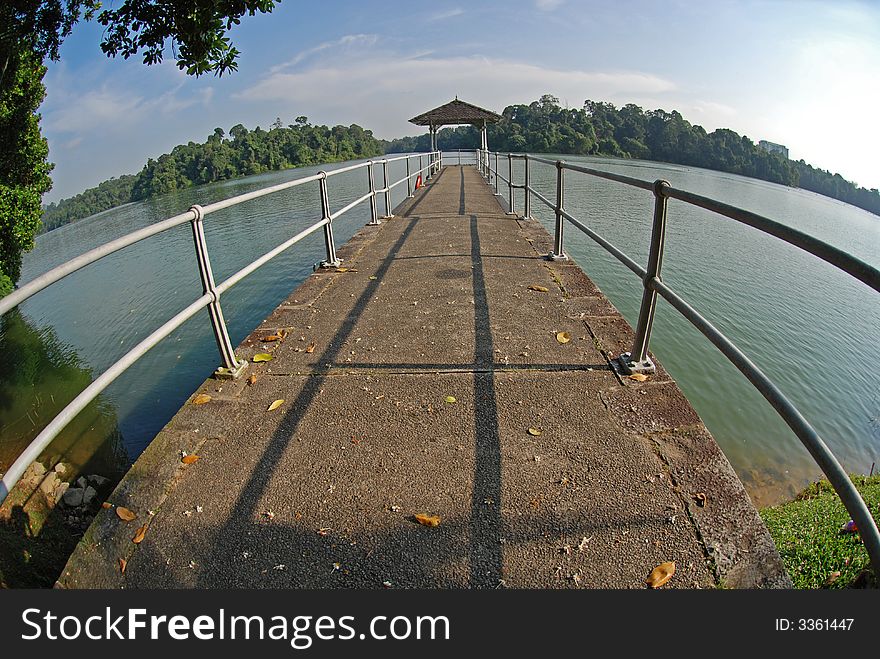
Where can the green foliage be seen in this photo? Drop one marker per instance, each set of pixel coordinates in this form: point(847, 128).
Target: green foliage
point(807, 533)
point(631, 132)
point(24, 165)
point(39, 26)
point(196, 30)
point(219, 158)
point(109, 194)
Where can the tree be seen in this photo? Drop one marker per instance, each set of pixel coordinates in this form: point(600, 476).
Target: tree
point(33, 30)
point(24, 165)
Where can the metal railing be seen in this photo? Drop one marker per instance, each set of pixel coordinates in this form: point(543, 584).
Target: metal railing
point(428, 164)
point(638, 360)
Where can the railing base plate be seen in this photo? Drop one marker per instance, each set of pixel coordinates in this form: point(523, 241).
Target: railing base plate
point(330, 264)
point(628, 367)
point(224, 373)
point(374, 224)
point(553, 256)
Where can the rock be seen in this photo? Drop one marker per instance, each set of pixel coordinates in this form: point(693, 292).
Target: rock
point(89, 495)
point(49, 484)
point(34, 473)
point(61, 469)
point(98, 481)
point(60, 489)
point(73, 497)
point(82, 482)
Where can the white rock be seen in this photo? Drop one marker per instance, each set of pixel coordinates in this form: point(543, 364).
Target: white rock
point(60, 468)
point(60, 490)
point(49, 484)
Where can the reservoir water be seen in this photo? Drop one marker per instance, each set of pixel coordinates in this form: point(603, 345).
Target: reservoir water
point(811, 328)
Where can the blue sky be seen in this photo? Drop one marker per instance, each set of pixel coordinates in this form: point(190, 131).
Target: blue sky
point(804, 74)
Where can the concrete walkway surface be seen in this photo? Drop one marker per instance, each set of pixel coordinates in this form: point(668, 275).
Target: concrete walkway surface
point(434, 306)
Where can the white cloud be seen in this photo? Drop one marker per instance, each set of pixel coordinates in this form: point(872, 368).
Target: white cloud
point(443, 15)
point(343, 43)
point(381, 90)
point(112, 109)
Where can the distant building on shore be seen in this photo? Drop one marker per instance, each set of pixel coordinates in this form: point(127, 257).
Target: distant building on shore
point(772, 147)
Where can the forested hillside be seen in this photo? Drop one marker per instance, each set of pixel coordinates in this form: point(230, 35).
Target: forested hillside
point(220, 157)
point(631, 132)
point(540, 127)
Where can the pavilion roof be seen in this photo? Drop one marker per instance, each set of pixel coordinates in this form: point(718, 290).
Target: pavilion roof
point(455, 112)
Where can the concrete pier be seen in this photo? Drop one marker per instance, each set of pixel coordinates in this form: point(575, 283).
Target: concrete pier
point(425, 377)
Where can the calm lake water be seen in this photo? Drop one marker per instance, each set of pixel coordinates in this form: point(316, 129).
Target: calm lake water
point(811, 328)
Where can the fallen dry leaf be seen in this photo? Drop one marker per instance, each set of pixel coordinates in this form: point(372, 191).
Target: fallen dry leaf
point(638, 377)
point(273, 337)
point(563, 337)
point(661, 574)
point(834, 576)
point(700, 498)
point(262, 357)
point(106, 505)
point(275, 405)
point(125, 514)
point(450, 399)
point(540, 289)
point(311, 348)
point(535, 432)
point(201, 399)
point(323, 531)
point(341, 269)
point(139, 535)
point(427, 520)
point(122, 565)
point(189, 459)
point(252, 379)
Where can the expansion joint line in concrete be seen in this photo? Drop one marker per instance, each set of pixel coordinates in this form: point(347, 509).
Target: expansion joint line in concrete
point(349, 370)
point(684, 500)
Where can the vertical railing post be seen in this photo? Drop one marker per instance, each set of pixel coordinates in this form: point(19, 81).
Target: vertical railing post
point(409, 190)
point(497, 194)
point(527, 213)
point(374, 216)
point(421, 166)
point(231, 368)
point(638, 361)
point(332, 260)
point(510, 211)
point(459, 157)
point(558, 253)
point(388, 213)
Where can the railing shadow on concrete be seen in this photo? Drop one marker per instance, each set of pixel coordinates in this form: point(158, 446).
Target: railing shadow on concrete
point(420, 164)
point(490, 165)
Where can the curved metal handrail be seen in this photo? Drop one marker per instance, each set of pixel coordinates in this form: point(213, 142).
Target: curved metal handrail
point(212, 291)
point(639, 361)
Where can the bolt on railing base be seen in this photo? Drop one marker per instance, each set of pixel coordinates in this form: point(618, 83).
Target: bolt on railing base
point(374, 223)
point(224, 373)
point(388, 217)
point(628, 367)
point(553, 256)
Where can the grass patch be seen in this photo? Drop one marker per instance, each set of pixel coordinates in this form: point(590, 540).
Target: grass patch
point(807, 534)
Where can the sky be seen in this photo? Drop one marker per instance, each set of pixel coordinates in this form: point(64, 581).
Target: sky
point(796, 72)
